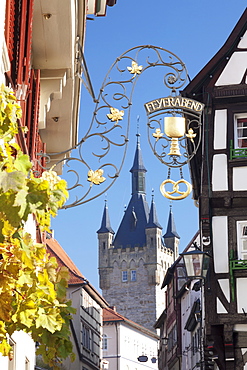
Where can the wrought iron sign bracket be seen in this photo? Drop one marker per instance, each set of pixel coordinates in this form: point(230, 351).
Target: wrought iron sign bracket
point(111, 121)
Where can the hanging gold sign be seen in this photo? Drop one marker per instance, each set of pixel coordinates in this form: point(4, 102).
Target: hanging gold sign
point(181, 194)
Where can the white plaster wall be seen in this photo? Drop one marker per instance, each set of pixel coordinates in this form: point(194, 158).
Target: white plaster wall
point(234, 70)
point(30, 227)
point(225, 286)
point(220, 243)
point(219, 173)
point(220, 129)
point(24, 350)
point(239, 178)
point(220, 307)
point(132, 344)
point(241, 284)
point(243, 42)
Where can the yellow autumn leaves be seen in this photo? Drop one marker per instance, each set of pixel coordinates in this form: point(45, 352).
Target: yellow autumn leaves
point(32, 287)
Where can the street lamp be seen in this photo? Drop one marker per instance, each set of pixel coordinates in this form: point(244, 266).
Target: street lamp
point(196, 263)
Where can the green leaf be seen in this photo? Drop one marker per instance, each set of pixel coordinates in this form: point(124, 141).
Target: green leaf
point(49, 321)
point(12, 180)
point(23, 164)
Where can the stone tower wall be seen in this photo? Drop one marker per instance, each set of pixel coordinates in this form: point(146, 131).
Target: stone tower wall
point(141, 300)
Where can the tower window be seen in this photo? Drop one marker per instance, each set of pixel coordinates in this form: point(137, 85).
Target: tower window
point(103, 245)
point(140, 181)
point(133, 275)
point(124, 276)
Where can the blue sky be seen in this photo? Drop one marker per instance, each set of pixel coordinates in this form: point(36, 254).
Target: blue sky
point(194, 31)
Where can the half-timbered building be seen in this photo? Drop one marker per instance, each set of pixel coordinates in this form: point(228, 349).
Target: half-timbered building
point(219, 175)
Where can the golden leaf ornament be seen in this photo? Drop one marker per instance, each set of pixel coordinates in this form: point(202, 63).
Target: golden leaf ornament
point(96, 176)
point(158, 134)
point(191, 135)
point(135, 69)
point(115, 115)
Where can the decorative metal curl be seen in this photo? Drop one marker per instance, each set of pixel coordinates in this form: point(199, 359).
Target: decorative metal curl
point(115, 98)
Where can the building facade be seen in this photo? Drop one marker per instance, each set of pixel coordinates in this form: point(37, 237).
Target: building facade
point(87, 322)
point(219, 173)
point(40, 53)
point(124, 342)
point(180, 323)
point(132, 263)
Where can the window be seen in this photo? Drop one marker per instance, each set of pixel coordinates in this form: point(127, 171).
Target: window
point(242, 239)
point(172, 338)
point(124, 276)
point(87, 338)
point(133, 275)
point(241, 131)
point(104, 342)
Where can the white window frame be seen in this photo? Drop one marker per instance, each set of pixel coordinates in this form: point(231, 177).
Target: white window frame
point(236, 131)
point(133, 275)
point(124, 276)
point(242, 240)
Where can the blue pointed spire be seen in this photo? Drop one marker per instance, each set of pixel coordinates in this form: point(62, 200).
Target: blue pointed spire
point(138, 161)
point(138, 170)
point(105, 223)
point(131, 231)
point(153, 219)
point(171, 227)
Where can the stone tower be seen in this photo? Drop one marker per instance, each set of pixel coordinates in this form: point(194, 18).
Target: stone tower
point(132, 265)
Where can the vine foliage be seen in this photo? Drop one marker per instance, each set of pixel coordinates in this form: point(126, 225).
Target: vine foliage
point(32, 286)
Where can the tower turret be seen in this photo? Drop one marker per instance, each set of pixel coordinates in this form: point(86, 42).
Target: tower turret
point(171, 237)
point(105, 237)
point(153, 228)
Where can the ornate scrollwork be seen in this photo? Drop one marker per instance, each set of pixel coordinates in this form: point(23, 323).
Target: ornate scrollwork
point(105, 134)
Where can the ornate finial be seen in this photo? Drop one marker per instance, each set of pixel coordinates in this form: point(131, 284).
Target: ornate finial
point(152, 194)
point(170, 205)
point(137, 128)
point(105, 199)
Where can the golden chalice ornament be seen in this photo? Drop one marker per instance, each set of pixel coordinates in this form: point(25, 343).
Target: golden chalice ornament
point(175, 128)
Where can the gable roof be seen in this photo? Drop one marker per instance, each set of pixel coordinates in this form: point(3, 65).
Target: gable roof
point(55, 250)
point(75, 276)
point(110, 315)
point(212, 70)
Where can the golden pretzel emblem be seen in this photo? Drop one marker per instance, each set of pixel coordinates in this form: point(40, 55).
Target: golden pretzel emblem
point(168, 194)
